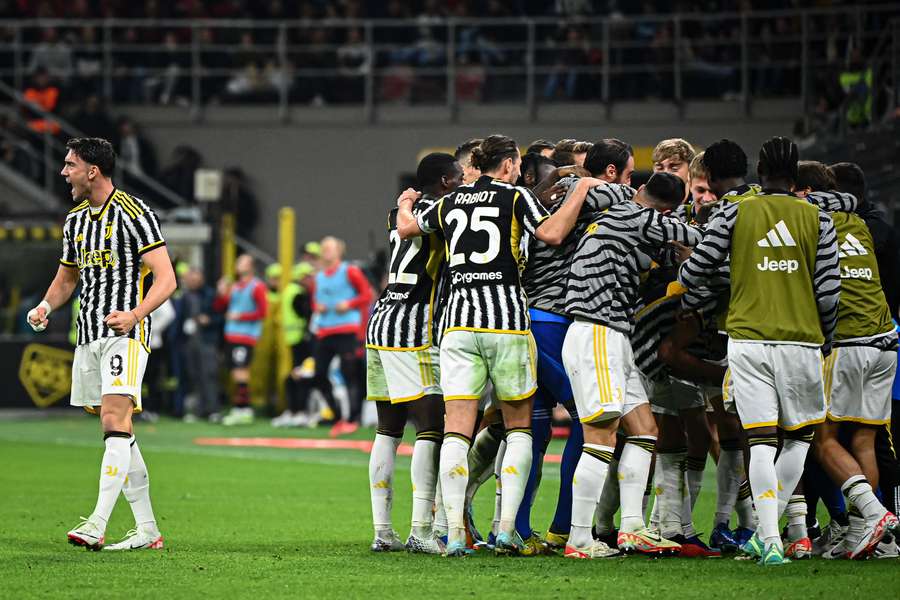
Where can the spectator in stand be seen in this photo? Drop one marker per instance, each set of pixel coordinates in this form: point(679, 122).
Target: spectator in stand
point(178, 175)
point(93, 120)
point(53, 55)
point(341, 296)
point(198, 339)
point(244, 304)
point(45, 95)
point(87, 62)
point(354, 61)
point(238, 198)
point(572, 53)
point(135, 153)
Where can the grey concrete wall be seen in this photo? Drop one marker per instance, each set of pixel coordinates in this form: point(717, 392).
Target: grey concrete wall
point(341, 173)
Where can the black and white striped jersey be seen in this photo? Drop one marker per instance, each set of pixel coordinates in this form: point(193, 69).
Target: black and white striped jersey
point(106, 247)
point(482, 224)
point(547, 269)
point(656, 320)
point(403, 317)
point(617, 249)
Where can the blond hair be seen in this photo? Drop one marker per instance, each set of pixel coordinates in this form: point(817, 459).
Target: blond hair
point(673, 148)
point(698, 169)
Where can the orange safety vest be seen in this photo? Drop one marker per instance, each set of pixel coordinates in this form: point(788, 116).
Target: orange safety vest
point(46, 99)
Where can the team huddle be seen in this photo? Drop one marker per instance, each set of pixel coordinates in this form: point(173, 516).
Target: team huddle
point(697, 315)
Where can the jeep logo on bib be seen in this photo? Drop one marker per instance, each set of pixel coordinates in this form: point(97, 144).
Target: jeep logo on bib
point(786, 265)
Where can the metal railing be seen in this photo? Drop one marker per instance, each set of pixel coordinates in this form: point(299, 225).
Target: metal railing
point(450, 61)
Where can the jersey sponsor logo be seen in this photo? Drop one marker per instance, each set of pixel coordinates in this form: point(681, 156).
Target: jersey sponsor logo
point(398, 296)
point(861, 273)
point(470, 277)
point(852, 247)
point(785, 265)
point(474, 198)
point(777, 237)
point(98, 258)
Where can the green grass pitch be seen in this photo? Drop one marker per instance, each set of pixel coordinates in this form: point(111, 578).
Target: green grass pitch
point(273, 523)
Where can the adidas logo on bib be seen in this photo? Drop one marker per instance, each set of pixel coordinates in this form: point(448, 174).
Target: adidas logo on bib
point(852, 247)
point(778, 237)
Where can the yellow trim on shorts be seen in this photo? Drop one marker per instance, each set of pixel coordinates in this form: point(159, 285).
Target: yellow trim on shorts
point(532, 355)
point(828, 374)
point(761, 424)
point(462, 397)
point(725, 383)
point(601, 364)
point(593, 417)
point(378, 398)
point(486, 330)
point(393, 349)
point(520, 397)
point(862, 421)
point(408, 398)
point(802, 425)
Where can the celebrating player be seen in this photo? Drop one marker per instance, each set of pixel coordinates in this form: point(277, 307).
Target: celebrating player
point(402, 365)
point(487, 334)
point(112, 243)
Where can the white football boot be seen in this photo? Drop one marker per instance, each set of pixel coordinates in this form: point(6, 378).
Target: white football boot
point(139, 538)
point(87, 534)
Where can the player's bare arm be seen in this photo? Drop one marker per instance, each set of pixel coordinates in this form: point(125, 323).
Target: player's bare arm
point(557, 226)
point(407, 226)
point(164, 285)
point(58, 293)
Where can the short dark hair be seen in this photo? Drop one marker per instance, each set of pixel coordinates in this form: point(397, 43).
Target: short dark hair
point(533, 160)
point(433, 167)
point(493, 151)
point(564, 152)
point(849, 177)
point(813, 175)
point(94, 151)
point(538, 145)
point(466, 148)
point(778, 158)
point(725, 160)
point(665, 188)
point(610, 151)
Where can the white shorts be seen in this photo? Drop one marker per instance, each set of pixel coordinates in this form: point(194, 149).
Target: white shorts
point(469, 359)
point(402, 375)
point(858, 383)
point(600, 364)
point(672, 396)
point(108, 366)
point(776, 384)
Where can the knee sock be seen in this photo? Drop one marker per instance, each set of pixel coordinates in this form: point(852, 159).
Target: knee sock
point(113, 470)
point(590, 476)
point(796, 516)
point(729, 474)
point(440, 515)
point(634, 469)
point(514, 473)
point(423, 474)
point(859, 493)
point(498, 488)
point(241, 394)
point(746, 515)
point(481, 459)
point(540, 432)
point(454, 473)
point(764, 483)
point(562, 518)
point(694, 468)
point(669, 497)
point(137, 490)
point(609, 501)
point(789, 468)
point(381, 481)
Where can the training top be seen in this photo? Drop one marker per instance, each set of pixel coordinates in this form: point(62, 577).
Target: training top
point(547, 269)
point(106, 247)
point(611, 257)
point(482, 224)
point(784, 278)
point(403, 316)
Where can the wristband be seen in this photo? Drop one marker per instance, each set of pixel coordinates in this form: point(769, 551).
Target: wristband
point(46, 306)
